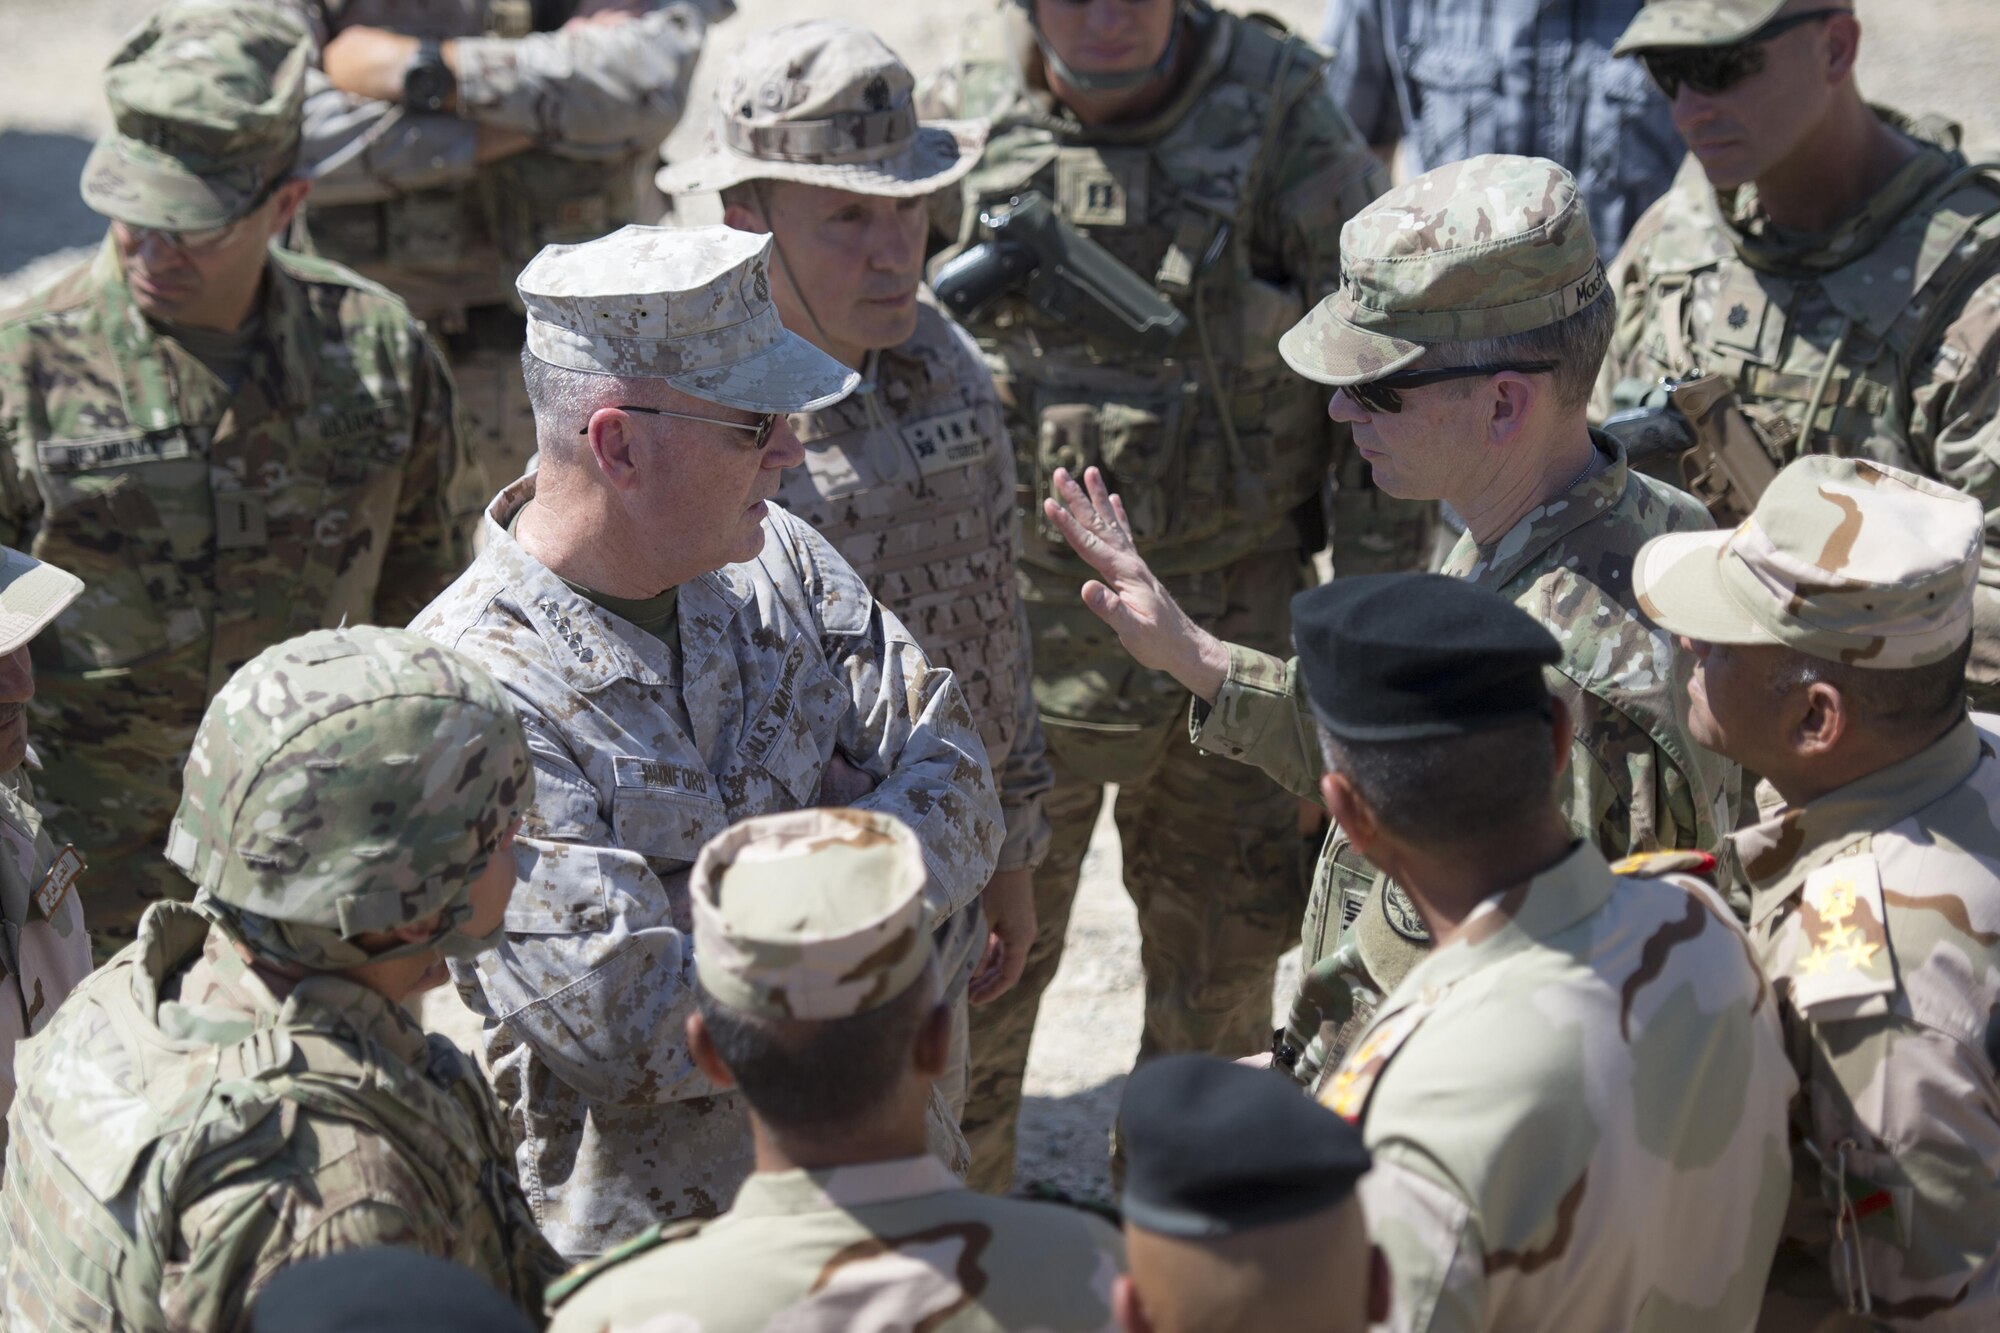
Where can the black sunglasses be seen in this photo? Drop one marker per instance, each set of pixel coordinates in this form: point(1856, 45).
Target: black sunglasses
point(761, 428)
point(1385, 394)
point(1714, 69)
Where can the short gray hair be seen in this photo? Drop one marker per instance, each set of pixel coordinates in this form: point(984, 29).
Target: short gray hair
point(1576, 344)
point(563, 400)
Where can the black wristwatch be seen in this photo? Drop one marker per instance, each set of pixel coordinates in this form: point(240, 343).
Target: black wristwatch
point(428, 83)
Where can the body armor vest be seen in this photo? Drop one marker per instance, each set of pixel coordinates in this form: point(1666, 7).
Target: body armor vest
point(1214, 445)
point(909, 478)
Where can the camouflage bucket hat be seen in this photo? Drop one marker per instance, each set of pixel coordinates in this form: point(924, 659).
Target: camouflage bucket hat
point(1666, 23)
point(691, 306)
point(32, 593)
point(1484, 248)
point(826, 103)
point(1842, 559)
point(347, 781)
point(814, 914)
point(206, 99)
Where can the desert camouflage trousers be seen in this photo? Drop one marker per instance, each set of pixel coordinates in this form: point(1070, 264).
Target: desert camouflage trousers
point(492, 399)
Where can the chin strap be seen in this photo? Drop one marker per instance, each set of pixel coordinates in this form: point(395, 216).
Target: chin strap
point(1106, 83)
point(784, 264)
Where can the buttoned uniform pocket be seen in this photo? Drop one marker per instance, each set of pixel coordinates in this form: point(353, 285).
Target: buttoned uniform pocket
point(1459, 108)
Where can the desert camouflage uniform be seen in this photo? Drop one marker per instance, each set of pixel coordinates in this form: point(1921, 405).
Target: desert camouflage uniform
point(1577, 1113)
point(188, 1125)
point(398, 196)
point(1890, 321)
point(642, 754)
point(1229, 199)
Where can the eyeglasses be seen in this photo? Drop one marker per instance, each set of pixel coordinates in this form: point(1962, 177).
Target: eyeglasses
point(761, 428)
point(201, 242)
point(1714, 69)
point(1385, 394)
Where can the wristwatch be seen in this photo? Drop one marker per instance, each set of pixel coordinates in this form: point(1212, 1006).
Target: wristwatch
point(428, 83)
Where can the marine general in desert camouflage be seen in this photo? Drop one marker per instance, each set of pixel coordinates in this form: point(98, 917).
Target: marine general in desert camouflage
point(1576, 1102)
point(1832, 631)
point(820, 995)
point(450, 140)
point(228, 444)
point(911, 476)
point(1823, 278)
point(684, 655)
point(1462, 350)
point(241, 1090)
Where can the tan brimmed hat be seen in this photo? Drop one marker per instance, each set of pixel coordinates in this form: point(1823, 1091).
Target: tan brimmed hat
point(32, 593)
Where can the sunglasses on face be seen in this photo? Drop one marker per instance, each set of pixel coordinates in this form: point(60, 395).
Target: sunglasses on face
point(1385, 394)
point(761, 428)
point(1714, 69)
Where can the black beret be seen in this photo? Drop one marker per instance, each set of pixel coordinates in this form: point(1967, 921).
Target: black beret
point(383, 1291)
point(1391, 657)
point(1213, 1148)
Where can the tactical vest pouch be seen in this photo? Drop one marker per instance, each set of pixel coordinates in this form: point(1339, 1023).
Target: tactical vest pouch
point(537, 199)
point(1730, 465)
point(1136, 442)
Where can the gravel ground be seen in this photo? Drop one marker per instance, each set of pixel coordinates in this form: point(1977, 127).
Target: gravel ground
point(1935, 55)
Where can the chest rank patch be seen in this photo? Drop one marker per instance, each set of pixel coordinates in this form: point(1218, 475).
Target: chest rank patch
point(1841, 961)
point(949, 440)
point(1101, 187)
point(55, 885)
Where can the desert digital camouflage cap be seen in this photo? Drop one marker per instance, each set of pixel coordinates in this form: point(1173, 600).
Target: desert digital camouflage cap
point(812, 914)
point(826, 103)
point(346, 781)
point(1695, 23)
point(691, 306)
point(1483, 248)
point(32, 593)
point(1842, 558)
point(205, 99)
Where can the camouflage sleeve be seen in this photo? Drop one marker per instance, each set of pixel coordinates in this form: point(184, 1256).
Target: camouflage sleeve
point(444, 491)
point(1431, 1238)
point(361, 151)
point(1955, 424)
point(1261, 718)
point(1627, 279)
point(20, 503)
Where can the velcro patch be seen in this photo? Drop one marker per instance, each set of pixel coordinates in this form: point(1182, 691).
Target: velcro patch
point(55, 885)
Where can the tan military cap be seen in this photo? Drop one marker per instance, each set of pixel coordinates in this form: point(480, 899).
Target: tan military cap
point(1484, 248)
point(1842, 558)
point(826, 103)
point(206, 99)
point(32, 593)
point(691, 306)
point(813, 914)
point(1666, 23)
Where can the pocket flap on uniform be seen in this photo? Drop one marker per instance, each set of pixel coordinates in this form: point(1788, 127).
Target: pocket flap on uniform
point(664, 810)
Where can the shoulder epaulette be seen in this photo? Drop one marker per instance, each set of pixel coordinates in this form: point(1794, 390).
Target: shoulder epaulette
point(1656, 865)
point(652, 1238)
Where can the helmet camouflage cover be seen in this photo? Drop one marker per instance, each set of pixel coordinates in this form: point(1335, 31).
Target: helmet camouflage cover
point(349, 781)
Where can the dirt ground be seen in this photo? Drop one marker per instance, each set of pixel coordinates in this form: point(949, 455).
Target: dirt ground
point(1930, 56)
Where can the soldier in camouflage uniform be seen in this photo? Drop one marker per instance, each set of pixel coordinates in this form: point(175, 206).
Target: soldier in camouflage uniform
point(241, 1090)
point(228, 444)
point(44, 951)
point(1484, 271)
point(450, 140)
point(820, 994)
point(1818, 258)
point(1212, 173)
point(1831, 632)
point(911, 477)
point(684, 655)
point(1576, 1103)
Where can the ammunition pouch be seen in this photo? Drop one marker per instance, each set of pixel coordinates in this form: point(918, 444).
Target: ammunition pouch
point(1137, 443)
point(1695, 434)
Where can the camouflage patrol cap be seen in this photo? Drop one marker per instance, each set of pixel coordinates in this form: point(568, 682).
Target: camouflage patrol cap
point(1666, 23)
point(826, 103)
point(691, 306)
point(813, 914)
point(1842, 559)
point(32, 593)
point(206, 98)
point(1484, 248)
point(347, 781)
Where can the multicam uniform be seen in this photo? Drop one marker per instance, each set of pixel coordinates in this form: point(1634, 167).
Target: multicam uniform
point(398, 195)
point(44, 951)
point(1876, 912)
point(1577, 1113)
point(1884, 328)
point(1229, 201)
point(209, 522)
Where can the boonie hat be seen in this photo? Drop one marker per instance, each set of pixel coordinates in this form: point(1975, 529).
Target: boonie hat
point(205, 99)
point(826, 103)
point(1668, 23)
point(690, 305)
point(1842, 558)
point(1485, 248)
point(813, 914)
point(32, 593)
